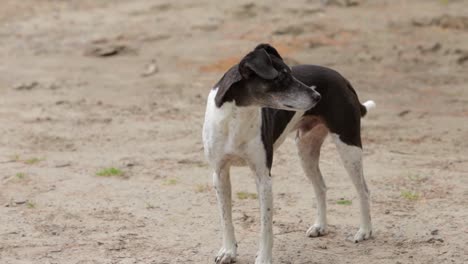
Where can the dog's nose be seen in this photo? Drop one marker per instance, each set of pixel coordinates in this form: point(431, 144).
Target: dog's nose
point(317, 97)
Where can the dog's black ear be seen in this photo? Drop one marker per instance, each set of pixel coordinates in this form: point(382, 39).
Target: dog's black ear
point(231, 77)
point(269, 49)
point(259, 62)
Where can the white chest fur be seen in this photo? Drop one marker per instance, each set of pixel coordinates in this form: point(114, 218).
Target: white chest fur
point(230, 133)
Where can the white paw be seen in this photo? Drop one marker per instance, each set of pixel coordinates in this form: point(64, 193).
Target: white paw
point(263, 260)
point(226, 256)
point(362, 234)
point(317, 230)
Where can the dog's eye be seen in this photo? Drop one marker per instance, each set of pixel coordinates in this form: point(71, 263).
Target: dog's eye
point(282, 76)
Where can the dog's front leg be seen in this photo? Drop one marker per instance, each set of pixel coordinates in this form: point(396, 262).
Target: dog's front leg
point(264, 188)
point(222, 183)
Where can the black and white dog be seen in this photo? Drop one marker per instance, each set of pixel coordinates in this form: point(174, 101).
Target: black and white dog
point(248, 115)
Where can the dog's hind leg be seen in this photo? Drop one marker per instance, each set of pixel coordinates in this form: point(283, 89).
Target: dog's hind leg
point(352, 159)
point(222, 184)
point(310, 137)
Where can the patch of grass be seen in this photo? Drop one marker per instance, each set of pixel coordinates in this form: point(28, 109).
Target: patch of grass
point(344, 202)
point(410, 195)
point(108, 172)
point(416, 178)
point(149, 206)
point(30, 205)
point(200, 188)
point(20, 175)
point(170, 182)
point(246, 195)
point(15, 158)
point(32, 161)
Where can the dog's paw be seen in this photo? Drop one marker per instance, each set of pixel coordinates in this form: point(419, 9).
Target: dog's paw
point(226, 256)
point(317, 230)
point(362, 234)
point(262, 260)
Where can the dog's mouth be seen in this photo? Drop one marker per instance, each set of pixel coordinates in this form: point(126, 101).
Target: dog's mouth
point(292, 100)
point(301, 99)
point(300, 105)
point(297, 108)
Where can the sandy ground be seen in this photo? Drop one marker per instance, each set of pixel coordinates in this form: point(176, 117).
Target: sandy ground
point(77, 97)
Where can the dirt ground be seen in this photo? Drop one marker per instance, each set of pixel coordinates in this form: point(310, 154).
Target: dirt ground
point(89, 85)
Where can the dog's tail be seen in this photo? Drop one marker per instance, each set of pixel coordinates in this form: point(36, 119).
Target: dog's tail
point(365, 107)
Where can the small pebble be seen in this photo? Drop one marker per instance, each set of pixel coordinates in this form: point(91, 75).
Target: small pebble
point(21, 201)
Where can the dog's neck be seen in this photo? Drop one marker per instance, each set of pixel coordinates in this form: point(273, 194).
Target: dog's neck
point(242, 122)
point(230, 130)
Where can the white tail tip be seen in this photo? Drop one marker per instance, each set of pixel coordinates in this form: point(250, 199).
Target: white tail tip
point(369, 104)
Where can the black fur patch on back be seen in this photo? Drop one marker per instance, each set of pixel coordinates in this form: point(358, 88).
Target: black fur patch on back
point(339, 107)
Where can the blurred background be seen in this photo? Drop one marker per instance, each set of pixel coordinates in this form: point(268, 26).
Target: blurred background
point(102, 104)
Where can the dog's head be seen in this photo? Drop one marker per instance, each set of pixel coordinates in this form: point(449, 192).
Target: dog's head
point(263, 79)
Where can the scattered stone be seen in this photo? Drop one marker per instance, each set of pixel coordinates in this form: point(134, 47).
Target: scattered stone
point(435, 232)
point(345, 3)
point(403, 113)
point(247, 11)
point(108, 50)
point(61, 102)
point(247, 218)
point(387, 211)
point(162, 7)
point(453, 22)
point(434, 48)
point(156, 38)
point(421, 22)
point(192, 162)
point(62, 165)
point(365, 56)
point(433, 240)
point(305, 11)
point(290, 30)
point(55, 250)
point(150, 69)
point(323, 246)
point(444, 21)
point(462, 59)
point(27, 86)
point(314, 44)
point(21, 201)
